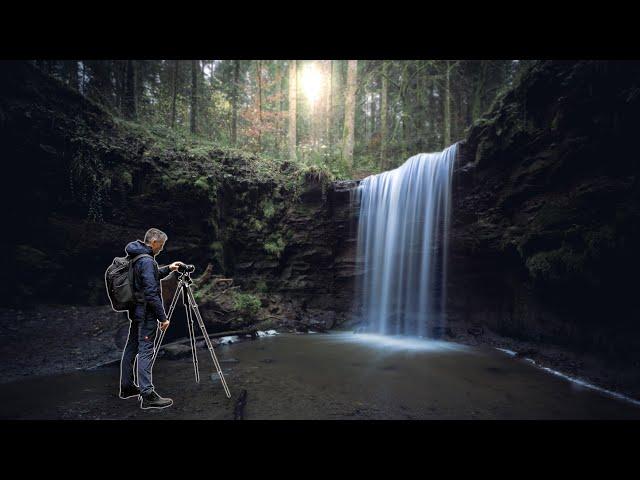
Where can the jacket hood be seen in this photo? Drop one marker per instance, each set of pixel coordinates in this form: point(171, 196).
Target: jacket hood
point(137, 248)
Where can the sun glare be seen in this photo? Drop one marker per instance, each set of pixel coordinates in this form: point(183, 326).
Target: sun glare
point(311, 82)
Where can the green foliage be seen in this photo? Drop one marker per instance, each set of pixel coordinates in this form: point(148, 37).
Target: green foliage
point(246, 303)
point(127, 179)
point(255, 93)
point(202, 183)
point(268, 209)
point(275, 245)
point(88, 182)
point(256, 225)
point(261, 286)
point(217, 252)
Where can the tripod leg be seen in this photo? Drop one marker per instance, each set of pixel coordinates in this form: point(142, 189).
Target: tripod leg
point(194, 306)
point(192, 341)
point(160, 333)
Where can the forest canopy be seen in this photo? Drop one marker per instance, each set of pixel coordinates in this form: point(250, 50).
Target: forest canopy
point(349, 117)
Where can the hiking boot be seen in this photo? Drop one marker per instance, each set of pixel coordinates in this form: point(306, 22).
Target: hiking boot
point(130, 391)
point(153, 400)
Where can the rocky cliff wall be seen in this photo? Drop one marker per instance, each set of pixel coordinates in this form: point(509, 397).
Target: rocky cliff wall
point(545, 234)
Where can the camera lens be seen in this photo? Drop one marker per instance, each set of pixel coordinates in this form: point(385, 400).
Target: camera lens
point(183, 268)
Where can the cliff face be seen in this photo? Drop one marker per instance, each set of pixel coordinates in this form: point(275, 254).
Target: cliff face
point(80, 184)
point(547, 209)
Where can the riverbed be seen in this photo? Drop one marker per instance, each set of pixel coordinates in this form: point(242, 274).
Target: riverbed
point(326, 376)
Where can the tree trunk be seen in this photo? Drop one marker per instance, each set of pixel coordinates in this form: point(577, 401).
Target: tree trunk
point(476, 109)
point(121, 74)
point(234, 103)
point(330, 108)
point(174, 92)
point(293, 99)
point(194, 96)
point(259, 101)
point(350, 112)
point(406, 109)
point(72, 74)
point(383, 115)
point(130, 91)
point(278, 86)
point(447, 106)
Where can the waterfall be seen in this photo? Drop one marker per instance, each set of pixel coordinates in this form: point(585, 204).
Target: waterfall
point(402, 245)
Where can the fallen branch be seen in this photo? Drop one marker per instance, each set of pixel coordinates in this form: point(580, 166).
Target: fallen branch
point(204, 277)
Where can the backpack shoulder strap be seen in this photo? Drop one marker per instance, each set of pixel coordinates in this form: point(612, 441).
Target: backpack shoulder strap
point(139, 256)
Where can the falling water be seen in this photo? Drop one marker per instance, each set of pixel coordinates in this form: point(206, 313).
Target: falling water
point(402, 244)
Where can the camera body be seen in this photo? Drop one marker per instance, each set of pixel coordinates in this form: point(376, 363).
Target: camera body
point(184, 268)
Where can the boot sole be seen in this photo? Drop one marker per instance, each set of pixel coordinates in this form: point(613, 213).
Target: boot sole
point(148, 407)
point(130, 396)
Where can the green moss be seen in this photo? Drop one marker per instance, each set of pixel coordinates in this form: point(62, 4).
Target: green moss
point(275, 245)
point(268, 209)
point(216, 246)
point(127, 179)
point(246, 303)
point(557, 267)
point(202, 183)
point(261, 286)
point(256, 225)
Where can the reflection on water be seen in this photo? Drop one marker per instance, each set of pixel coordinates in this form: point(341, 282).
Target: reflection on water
point(399, 342)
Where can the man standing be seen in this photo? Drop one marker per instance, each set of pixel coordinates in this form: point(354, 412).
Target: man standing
point(144, 317)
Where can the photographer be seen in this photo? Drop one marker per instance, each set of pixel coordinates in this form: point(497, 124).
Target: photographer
point(144, 318)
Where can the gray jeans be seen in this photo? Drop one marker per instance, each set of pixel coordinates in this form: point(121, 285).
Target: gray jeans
point(139, 343)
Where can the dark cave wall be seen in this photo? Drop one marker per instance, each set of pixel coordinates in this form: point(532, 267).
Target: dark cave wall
point(545, 223)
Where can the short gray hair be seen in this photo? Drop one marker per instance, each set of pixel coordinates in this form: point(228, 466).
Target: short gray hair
point(155, 234)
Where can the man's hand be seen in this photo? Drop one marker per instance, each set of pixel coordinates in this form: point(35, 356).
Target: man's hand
point(164, 325)
point(174, 266)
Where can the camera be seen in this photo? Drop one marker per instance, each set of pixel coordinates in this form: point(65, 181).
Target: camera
point(184, 268)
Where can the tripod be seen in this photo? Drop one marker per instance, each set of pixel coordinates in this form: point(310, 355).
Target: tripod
point(191, 309)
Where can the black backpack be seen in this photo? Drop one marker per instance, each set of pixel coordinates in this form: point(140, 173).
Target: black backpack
point(119, 281)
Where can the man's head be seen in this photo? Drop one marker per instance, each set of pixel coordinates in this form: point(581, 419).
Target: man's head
point(155, 239)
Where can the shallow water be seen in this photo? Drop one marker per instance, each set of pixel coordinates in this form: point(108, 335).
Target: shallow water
point(329, 376)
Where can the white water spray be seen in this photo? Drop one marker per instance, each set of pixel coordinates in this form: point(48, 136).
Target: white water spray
point(402, 244)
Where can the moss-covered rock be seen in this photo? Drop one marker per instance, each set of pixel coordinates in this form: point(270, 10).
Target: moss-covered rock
point(546, 207)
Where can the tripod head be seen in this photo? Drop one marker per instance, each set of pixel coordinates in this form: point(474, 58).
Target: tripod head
point(184, 273)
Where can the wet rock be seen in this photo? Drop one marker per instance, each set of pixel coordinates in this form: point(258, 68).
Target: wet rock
point(215, 377)
point(173, 352)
